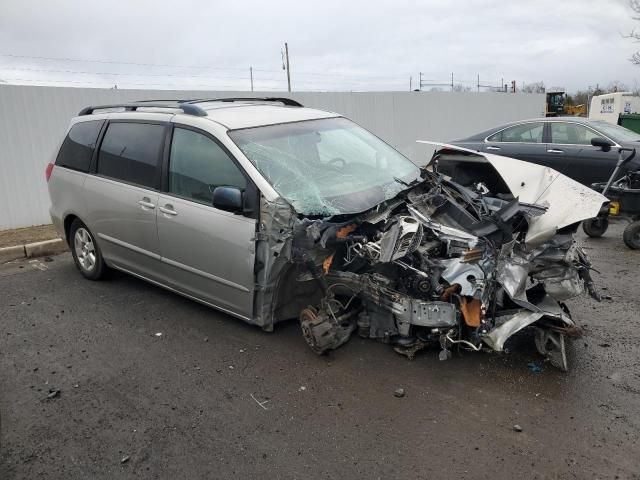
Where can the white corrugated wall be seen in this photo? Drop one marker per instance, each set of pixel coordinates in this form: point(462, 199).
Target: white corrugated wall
point(34, 119)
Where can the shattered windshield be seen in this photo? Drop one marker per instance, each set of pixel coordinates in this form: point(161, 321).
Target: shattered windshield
point(326, 167)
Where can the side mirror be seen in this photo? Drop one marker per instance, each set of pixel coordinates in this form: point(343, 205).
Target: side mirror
point(228, 199)
point(603, 143)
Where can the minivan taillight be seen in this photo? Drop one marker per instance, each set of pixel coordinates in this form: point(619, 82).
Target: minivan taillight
point(47, 172)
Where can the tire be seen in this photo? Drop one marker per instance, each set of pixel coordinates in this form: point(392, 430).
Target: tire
point(86, 252)
point(631, 235)
point(595, 227)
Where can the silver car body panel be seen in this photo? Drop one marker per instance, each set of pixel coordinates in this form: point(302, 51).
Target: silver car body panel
point(547, 307)
point(208, 252)
point(123, 217)
point(65, 188)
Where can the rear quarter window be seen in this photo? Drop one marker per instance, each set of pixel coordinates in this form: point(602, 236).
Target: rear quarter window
point(78, 146)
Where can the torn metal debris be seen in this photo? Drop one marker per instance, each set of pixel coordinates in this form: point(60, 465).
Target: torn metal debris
point(463, 265)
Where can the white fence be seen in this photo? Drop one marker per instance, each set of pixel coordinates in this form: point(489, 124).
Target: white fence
point(33, 120)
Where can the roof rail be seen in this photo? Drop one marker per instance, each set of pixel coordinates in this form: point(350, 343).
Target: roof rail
point(285, 101)
point(187, 108)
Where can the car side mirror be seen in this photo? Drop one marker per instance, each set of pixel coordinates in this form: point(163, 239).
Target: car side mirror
point(228, 199)
point(603, 143)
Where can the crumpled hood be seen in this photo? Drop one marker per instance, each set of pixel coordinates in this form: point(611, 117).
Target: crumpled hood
point(566, 200)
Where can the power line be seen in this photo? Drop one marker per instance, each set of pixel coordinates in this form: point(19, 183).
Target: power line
point(79, 72)
point(122, 74)
point(114, 62)
point(181, 86)
point(84, 82)
point(204, 67)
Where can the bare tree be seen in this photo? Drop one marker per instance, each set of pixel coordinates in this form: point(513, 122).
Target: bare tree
point(634, 35)
point(578, 98)
point(535, 87)
point(616, 86)
point(458, 87)
point(583, 96)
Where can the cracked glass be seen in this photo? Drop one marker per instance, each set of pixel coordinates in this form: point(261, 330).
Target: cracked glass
point(327, 167)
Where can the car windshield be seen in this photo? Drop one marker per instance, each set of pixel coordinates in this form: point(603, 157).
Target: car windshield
point(617, 133)
point(327, 167)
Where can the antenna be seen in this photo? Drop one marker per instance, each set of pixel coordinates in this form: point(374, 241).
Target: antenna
point(285, 64)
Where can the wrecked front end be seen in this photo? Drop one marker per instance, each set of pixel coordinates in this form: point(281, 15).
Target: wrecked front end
point(457, 266)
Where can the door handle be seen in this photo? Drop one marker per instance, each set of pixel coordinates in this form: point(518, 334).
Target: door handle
point(491, 147)
point(555, 150)
point(146, 203)
point(168, 210)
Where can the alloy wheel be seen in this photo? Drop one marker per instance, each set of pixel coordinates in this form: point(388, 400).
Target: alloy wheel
point(85, 249)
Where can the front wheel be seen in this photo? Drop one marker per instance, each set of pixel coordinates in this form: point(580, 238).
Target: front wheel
point(595, 227)
point(85, 251)
point(631, 235)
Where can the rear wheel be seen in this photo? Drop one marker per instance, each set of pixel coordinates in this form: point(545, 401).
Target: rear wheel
point(595, 227)
point(85, 251)
point(631, 235)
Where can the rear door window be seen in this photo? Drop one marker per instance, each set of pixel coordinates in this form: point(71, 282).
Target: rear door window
point(77, 149)
point(524, 133)
point(131, 152)
point(198, 165)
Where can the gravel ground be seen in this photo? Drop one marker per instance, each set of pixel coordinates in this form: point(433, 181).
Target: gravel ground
point(20, 236)
point(152, 385)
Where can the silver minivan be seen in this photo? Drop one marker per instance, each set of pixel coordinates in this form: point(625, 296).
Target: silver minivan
point(270, 211)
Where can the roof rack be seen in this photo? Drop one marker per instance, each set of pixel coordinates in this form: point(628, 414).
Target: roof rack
point(187, 108)
point(285, 101)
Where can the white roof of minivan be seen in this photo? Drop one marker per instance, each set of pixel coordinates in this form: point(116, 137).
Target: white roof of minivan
point(246, 115)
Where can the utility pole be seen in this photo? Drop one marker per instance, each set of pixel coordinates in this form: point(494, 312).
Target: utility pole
point(478, 82)
point(251, 75)
point(285, 65)
point(410, 79)
point(420, 86)
point(452, 81)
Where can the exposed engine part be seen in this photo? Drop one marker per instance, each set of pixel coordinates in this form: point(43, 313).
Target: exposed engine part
point(475, 348)
point(406, 311)
point(401, 239)
point(418, 285)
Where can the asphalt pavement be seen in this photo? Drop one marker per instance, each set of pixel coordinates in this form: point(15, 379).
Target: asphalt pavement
point(121, 379)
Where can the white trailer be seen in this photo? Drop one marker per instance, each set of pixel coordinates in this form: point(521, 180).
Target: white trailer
point(610, 106)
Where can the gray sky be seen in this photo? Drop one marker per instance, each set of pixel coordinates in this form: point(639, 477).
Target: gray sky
point(334, 45)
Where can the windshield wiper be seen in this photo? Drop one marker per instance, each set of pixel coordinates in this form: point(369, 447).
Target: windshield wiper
point(407, 184)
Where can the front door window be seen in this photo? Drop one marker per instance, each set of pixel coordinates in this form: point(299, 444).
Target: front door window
point(198, 165)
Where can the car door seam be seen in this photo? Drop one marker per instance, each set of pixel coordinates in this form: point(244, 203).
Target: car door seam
point(204, 274)
point(129, 246)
